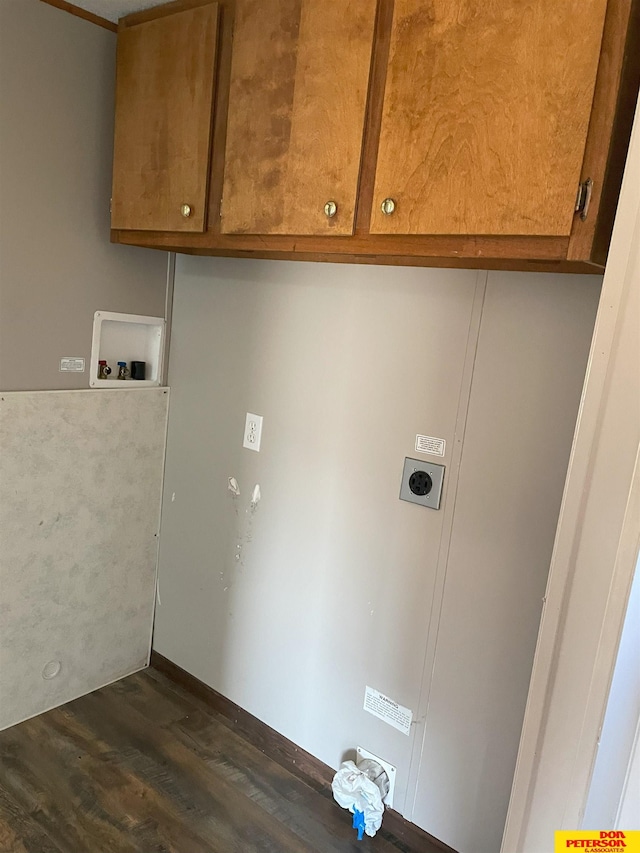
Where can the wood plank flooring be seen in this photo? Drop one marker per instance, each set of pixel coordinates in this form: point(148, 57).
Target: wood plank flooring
point(142, 766)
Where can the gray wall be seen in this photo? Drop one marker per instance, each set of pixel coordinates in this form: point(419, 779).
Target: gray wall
point(57, 266)
point(528, 374)
point(332, 583)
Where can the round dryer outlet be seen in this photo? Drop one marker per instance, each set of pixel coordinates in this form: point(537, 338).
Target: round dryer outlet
point(422, 482)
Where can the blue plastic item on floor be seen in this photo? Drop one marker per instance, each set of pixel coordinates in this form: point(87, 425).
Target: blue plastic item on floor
point(358, 823)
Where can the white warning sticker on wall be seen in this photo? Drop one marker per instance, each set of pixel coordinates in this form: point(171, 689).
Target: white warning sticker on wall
point(386, 709)
point(72, 365)
point(429, 444)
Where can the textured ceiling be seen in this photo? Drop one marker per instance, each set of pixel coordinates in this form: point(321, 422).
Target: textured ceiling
point(114, 9)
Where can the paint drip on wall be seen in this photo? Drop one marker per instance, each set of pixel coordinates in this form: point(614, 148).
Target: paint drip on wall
point(244, 528)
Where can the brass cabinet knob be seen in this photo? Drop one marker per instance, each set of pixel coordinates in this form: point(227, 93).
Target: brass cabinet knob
point(388, 206)
point(185, 210)
point(330, 209)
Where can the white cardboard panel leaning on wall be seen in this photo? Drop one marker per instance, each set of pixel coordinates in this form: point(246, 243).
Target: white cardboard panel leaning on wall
point(80, 488)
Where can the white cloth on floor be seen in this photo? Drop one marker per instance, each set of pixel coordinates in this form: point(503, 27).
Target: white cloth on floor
point(353, 790)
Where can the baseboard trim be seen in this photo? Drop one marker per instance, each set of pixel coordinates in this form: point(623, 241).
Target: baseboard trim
point(283, 751)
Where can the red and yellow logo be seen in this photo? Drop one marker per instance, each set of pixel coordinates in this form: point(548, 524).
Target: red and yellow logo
point(611, 841)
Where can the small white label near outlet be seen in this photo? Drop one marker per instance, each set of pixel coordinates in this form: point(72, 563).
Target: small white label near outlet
point(72, 365)
point(252, 432)
point(429, 444)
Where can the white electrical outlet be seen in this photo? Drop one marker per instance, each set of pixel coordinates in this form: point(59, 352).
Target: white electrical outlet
point(252, 432)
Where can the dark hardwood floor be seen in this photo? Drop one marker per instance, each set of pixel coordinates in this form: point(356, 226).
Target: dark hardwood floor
point(142, 766)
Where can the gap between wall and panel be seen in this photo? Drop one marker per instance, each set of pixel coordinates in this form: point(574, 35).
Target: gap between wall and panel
point(168, 313)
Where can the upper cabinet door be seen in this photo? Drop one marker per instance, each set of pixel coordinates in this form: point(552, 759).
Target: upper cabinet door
point(164, 102)
point(299, 83)
point(485, 116)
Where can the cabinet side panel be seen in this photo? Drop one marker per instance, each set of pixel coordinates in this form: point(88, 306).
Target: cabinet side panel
point(485, 116)
point(164, 96)
point(614, 106)
point(299, 84)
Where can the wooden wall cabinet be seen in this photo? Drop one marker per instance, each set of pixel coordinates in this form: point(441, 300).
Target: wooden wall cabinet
point(449, 133)
point(164, 108)
point(485, 116)
point(297, 100)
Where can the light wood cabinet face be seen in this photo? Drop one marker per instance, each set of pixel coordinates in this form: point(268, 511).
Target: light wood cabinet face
point(164, 102)
point(299, 83)
point(485, 115)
